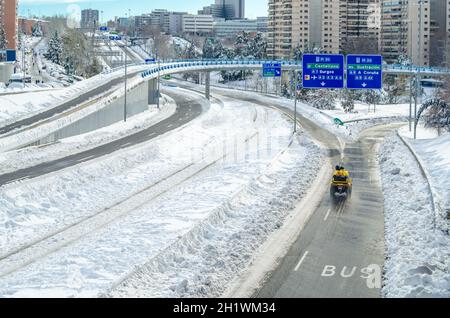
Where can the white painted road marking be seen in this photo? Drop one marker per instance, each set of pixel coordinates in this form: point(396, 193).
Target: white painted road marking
point(328, 214)
point(301, 261)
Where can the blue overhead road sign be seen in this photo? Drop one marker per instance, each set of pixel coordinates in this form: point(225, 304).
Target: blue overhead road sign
point(364, 71)
point(272, 70)
point(103, 28)
point(323, 71)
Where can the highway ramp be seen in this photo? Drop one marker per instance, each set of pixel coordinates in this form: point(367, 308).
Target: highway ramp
point(186, 111)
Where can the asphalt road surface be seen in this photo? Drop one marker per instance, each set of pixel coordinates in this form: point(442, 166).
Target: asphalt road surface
point(186, 111)
point(84, 97)
point(340, 252)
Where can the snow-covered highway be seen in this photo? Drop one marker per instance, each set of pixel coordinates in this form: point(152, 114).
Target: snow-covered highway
point(186, 110)
point(225, 170)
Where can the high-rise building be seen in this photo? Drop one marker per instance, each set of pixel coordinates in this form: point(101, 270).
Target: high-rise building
point(89, 18)
point(400, 31)
point(288, 26)
point(9, 21)
point(334, 26)
point(438, 31)
point(235, 9)
point(225, 9)
point(360, 26)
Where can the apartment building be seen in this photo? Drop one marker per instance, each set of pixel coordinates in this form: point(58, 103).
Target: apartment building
point(331, 38)
point(400, 30)
point(327, 24)
point(288, 27)
point(9, 21)
point(360, 25)
point(89, 18)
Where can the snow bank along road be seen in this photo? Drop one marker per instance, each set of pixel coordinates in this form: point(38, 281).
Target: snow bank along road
point(340, 253)
point(187, 110)
point(175, 216)
point(80, 99)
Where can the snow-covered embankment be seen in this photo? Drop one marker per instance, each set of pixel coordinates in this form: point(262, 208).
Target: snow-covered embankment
point(418, 262)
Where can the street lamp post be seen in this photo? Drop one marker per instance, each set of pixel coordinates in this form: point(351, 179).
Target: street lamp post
point(159, 80)
point(410, 77)
point(295, 103)
point(126, 80)
point(418, 81)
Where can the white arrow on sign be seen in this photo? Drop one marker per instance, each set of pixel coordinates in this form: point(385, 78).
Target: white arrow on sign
point(364, 85)
point(323, 83)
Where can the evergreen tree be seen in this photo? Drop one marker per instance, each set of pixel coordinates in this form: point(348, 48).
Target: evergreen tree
point(212, 49)
point(36, 30)
point(55, 49)
point(94, 68)
point(348, 101)
point(437, 115)
point(322, 99)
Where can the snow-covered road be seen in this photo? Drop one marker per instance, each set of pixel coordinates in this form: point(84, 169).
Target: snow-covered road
point(175, 216)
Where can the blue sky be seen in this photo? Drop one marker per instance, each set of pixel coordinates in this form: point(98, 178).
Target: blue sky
point(113, 8)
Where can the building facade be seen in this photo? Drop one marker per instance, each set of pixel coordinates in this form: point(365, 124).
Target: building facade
point(9, 21)
point(235, 9)
point(198, 24)
point(225, 9)
point(26, 25)
point(400, 31)
point(89, 18)
point(230, 28)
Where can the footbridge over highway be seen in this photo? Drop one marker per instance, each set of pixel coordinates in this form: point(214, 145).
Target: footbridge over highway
point(167, 67)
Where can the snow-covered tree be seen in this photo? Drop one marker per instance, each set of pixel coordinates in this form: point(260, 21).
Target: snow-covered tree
point(55, 49)
point(371, 97)
point(36, 30)
point(322, 99)
point(297, 53)
point(246, 46)
point(437, 114)
point(348, 101)
point(403, 60)
point(94, 68)
point(258, 47)
point(212, 48)
point(3, 39)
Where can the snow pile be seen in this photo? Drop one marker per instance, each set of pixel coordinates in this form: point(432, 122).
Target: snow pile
point(206, 259)
point(418, 263)
point(221, 167)
point(32, 156)
point(435, 156)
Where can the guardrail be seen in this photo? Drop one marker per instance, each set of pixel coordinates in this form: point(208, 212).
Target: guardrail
point(174, 64)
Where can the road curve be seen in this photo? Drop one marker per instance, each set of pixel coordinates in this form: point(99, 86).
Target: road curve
point(186, 111)
point(340, 245)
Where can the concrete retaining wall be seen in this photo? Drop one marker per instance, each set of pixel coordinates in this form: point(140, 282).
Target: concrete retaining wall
point(137, 102)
